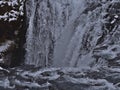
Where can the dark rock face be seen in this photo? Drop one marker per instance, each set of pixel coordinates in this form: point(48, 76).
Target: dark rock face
point(12, 32)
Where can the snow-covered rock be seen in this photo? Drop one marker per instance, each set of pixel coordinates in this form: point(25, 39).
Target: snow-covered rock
point(15, 12)
point(11, 21)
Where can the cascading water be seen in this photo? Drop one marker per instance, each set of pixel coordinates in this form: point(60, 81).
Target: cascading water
point(29, 40)
point(74, 44)
point(46, 25)
point(39, 38)
point(66, 33)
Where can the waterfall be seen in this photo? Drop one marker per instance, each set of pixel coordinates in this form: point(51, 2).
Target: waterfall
point(65, 38)
point(66, 33)
point(29, 35)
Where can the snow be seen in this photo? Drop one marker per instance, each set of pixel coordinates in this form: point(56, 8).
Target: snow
point(13, 14)
point(1, 68)
point(5, 16)
point(0, 2)
point(12, 19)
point(5, 45)
point(10, 3)
point(4, 69)
point(113, 21)
point(116, 16)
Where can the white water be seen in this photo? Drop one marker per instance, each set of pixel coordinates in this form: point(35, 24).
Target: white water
point(64, 33)
point(29, 35)
point(61, 45)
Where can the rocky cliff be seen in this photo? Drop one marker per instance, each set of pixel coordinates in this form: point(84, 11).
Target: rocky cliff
point(12, 31)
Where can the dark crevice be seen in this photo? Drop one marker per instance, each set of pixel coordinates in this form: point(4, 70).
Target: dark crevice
point(19, 53)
